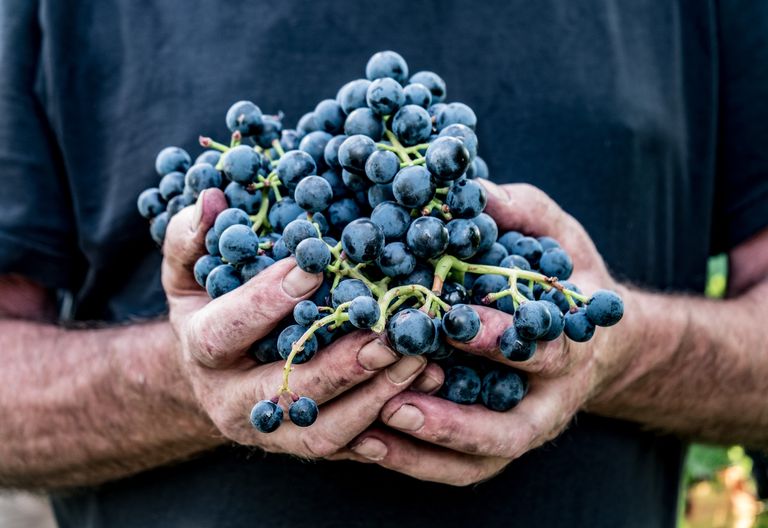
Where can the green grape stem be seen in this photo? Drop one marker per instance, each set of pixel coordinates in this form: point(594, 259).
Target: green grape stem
point(207, 142)
point(336, 318)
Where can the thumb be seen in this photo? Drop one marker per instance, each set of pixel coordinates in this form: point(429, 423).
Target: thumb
point(185, 242)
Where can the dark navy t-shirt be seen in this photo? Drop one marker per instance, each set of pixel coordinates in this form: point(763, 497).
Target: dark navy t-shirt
point(646, 120)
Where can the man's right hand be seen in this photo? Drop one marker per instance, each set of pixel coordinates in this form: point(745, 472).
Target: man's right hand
point(351, 379)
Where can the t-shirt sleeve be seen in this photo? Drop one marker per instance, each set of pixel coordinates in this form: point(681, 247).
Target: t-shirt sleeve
point(37, 234)
point(741, 203)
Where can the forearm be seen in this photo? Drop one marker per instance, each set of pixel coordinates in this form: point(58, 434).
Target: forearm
point(85, 406)
point(699, 367)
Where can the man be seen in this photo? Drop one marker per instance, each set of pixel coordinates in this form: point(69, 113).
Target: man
point(645, 123)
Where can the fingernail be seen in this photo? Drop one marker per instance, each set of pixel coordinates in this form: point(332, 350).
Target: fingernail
point(298, 282)
point(371, 448)
point(405, 368)
point(406, 418)
point(426, 384)
point(376, 355)
point(198, 210)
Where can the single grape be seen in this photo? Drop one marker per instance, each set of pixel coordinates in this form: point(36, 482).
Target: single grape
point(364, 312)
point(385, 96)
point(392, 218)
point(503, 388)
point(532, 320)
point(331, 151)
point(209, 156)
point(434, 83)
point(283, 213)
point(417, 94)
point(492, 257)
point(412, 125)
point(303, 412)
point(266, 416)
point(355, 182)
point(515, 261)
point(555, 262)
point(461, 323)
point(366, 122)
point(256, 266)
point(380, 193)
point(456, 113)
point(314, 144)
point(352, 95)
point(466, 135)
point(279, 251)
point(387, 64)
point(515, 348)
point(230, 217)
point(557, 321)
point(307, 124)
point(289, 139)
point(342, 212)
point(244, 117)
point(413, 187)
point(334, 179)
point(212, 242)
point(362, 240)
point(265, 350)
point(158, 226)
point(557, 297)
point(466, 198)
point(435, 109)
point(548, 243)
point(172, 184)
point(151, 203)
point(396, 260)
point(312, 255)
point(462, 385)
point(172, 159)
point(347, 290)
point(289, 336)
point(329, 116)
point(313, 193)
point(305, 313)
point(241, 164)
point(508, 240)
point(605, 308)
point(238, 244)
point(447, 158)
point(486, 284)
point(422, 275)
point(427, 237)
point(294, 166)
point(478, 170)
point(529, 248)
point(578, 327)
point(354, 152)
point(241, 198)
point(177, 203)
point(463, 238)
point(454, 293)
point(411, 332)
point(204, 266)
point(202, 176)
point(382, 166)
point(222, 279)
point(489, 231)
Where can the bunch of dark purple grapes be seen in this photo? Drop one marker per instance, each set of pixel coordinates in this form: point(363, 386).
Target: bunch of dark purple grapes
point(377, 190)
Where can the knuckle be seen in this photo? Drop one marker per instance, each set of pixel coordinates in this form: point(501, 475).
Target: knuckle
point(319, 446)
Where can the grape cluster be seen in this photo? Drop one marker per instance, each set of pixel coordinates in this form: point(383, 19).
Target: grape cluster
point(377, 189)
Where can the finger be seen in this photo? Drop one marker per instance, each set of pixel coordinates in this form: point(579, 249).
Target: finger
point(424, 461)
point(473, 429)
point(185, 242)
point(343, 418)
point(335, 369)
point(430, 380)
point(551, 359)
point(228, 325)
point(525, 208)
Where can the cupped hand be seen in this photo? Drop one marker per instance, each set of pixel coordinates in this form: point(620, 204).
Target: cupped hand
point(437, 440)
point(351, 379)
